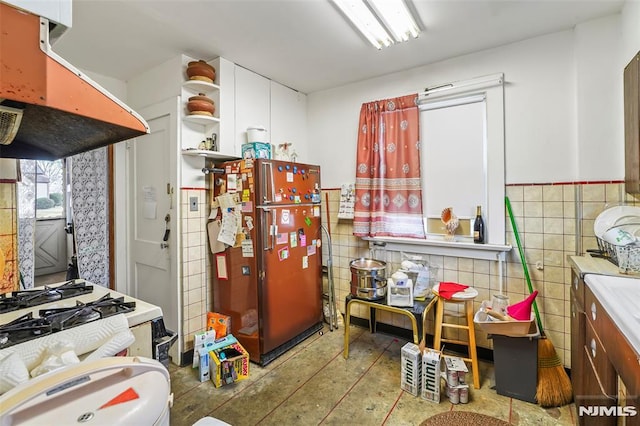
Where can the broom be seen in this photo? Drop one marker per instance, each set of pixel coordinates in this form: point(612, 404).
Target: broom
point(554, 387)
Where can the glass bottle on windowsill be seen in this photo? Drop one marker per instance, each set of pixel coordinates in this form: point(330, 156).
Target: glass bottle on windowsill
point(478, 227)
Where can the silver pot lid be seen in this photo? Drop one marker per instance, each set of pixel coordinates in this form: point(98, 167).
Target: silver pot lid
point(368, 264)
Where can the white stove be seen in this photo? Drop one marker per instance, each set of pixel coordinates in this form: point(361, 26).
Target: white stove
point(142, 313)
point(144, 320)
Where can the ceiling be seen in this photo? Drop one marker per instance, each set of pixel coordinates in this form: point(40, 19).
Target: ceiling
point(304, 44)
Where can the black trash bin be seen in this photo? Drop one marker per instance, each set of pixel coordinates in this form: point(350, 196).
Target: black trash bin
point(515, 362)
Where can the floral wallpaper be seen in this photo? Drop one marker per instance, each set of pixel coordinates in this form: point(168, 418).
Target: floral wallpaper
point(27, 221)
point(89, 198)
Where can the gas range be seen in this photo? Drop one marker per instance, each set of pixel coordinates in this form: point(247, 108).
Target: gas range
point(30, 314)
point(91, 293)
point(16, 300)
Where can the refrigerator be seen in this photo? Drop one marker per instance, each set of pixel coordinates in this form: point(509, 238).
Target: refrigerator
point(268, 277)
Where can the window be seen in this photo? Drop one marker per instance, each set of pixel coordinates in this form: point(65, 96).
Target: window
point(50, 189)
point(462, 137)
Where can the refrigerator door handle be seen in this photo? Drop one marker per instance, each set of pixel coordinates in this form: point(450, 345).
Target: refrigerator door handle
point(274, 229)
point(269, 230)
point(267, 177)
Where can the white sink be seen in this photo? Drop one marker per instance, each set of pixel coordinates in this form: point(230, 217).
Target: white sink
point(621, 298)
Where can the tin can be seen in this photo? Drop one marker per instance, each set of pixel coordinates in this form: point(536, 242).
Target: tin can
point(454, 395)
point(452, 378)
point(461, 377)
point(464, 394)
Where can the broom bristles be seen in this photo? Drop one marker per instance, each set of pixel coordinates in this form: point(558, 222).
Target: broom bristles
point(554, 386)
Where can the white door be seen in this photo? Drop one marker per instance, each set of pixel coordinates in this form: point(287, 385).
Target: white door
point(153, 218)
point(50, 247)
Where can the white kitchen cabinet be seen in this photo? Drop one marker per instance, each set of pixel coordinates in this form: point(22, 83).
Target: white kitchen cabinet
point(252, 102)
point(288, 119)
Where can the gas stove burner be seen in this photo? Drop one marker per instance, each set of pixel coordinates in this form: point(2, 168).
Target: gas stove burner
point(22, 329)
point(82, 313)
point(112, 305)
point(28, 298)
point(65, 318)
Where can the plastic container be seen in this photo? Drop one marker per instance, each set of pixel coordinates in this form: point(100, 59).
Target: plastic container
point(505, 328)
point(515, 361)
point(257, 134)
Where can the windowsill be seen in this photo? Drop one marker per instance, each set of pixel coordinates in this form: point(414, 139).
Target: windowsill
point(441, 247)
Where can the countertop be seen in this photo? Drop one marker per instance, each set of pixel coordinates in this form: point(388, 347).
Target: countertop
point(618, 293)
point(620, 297)
point(594, 265)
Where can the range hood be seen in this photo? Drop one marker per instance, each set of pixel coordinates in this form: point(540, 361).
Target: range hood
point(49, 109)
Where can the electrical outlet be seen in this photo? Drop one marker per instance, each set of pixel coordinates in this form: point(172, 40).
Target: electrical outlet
point(193, 204)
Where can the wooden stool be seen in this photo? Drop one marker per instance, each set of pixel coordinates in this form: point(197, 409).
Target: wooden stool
point(465, 298)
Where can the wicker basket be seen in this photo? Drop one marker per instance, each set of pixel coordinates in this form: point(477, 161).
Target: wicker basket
point(626, 258)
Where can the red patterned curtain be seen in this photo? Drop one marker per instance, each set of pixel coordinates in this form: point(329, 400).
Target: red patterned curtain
point(388, 192)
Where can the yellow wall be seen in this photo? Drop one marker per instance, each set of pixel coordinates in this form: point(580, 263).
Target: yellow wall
point(9, 277)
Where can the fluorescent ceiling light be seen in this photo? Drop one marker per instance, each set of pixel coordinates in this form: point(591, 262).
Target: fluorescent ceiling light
point(375, 19)
point(360, 15)
point(397, 18)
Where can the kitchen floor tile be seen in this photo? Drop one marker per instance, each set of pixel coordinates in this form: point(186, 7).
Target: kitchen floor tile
point(313, 384)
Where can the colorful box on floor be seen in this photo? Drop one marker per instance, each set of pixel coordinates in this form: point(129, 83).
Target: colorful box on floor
point(431, 375)
point(204, 364)
point(220, 323)
point(201, 340)
point(410, 368)
point(229, 363)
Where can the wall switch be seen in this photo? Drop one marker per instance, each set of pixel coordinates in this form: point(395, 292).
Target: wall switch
point(193, 204)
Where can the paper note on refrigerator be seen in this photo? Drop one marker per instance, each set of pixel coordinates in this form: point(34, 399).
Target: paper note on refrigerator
point(226, 201)
point(284, 217)
point(247, 248)
point(232, 183)
point(228, 229)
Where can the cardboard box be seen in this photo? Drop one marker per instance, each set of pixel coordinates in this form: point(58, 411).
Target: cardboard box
point(456, 366)
point(411, 368)
point(229, 369)
point(204, 371)
point(455, 371)
point(431, 375)
point(201, 340)
point(256, 150)
point(221, 323)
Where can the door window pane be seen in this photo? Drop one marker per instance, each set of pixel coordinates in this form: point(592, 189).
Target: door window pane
point(50, 189)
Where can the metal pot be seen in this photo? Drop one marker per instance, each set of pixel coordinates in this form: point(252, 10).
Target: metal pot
point(368, 278)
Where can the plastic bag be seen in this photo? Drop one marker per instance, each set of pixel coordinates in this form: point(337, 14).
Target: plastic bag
point(56, 355)
point(420, 271)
